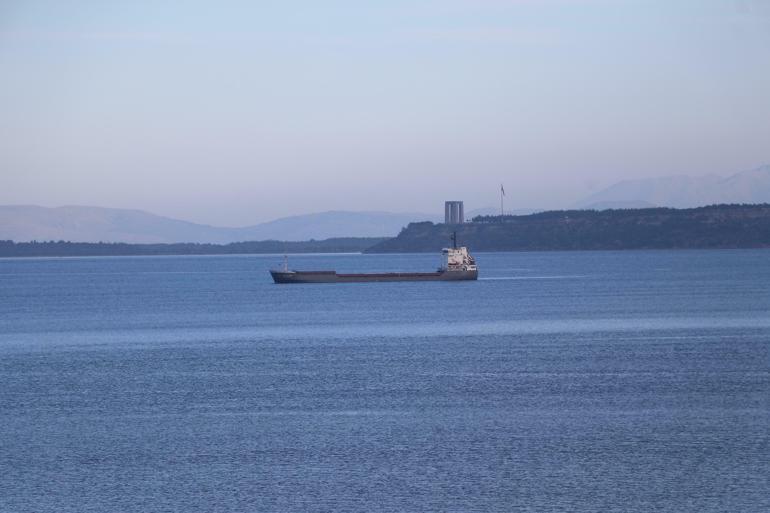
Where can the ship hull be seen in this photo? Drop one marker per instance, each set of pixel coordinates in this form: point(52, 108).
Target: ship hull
point(333, 277)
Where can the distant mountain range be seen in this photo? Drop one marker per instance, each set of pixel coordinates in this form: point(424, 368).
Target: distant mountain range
point(684, 191)
point(94, 224)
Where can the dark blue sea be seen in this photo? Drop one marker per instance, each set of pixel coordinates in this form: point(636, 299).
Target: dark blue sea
point(564, 381)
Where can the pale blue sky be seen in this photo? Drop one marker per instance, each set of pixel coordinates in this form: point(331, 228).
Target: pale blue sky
point(236, 112)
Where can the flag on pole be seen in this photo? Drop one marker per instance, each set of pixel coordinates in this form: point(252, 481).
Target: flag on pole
point(502, 191)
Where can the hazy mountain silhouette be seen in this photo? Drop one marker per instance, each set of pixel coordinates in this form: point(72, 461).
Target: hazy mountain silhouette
point(94, 224)
point(325, 225)
point(751, 186)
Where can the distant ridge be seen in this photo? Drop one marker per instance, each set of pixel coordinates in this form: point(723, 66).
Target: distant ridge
point(96, 224)
point(752, 186)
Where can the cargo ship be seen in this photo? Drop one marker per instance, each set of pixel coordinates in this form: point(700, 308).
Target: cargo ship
point(458, 265)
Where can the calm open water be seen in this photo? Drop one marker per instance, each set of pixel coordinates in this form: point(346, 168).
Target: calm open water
point(589, 381)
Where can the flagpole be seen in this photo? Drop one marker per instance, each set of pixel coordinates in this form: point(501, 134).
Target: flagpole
point(502, 193)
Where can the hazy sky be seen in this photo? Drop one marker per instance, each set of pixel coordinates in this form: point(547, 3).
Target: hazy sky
point(236, 112)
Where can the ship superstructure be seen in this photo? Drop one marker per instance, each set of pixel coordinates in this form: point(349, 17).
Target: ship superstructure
point(458, 259)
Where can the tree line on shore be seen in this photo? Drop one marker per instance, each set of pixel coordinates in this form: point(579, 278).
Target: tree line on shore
point(65, 248)
point(716, 226)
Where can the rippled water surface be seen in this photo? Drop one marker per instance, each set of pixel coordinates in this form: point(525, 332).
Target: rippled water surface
point(592, 381)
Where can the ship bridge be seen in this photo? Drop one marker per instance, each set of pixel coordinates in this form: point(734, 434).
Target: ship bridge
point(458, 259)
